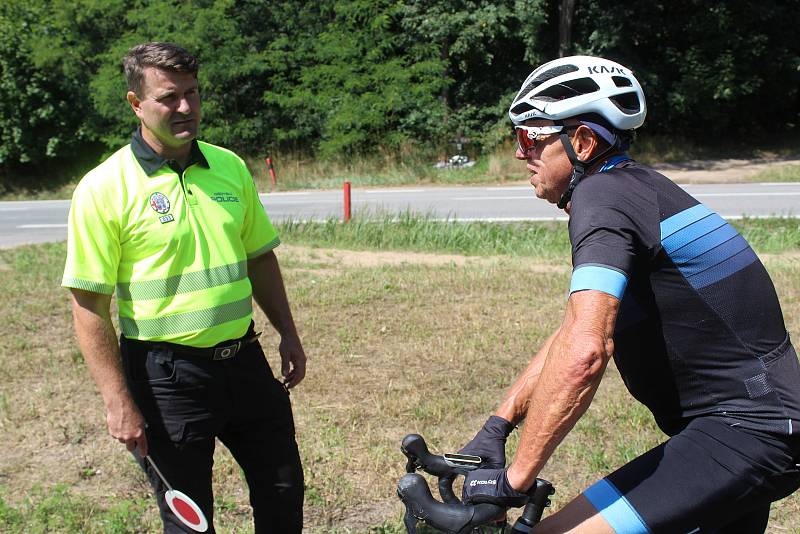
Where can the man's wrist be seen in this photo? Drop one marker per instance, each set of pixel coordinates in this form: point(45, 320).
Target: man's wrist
point(500, 424)
point(507, 413)
point(517, 480)
point(118, 398)
point(289, 334)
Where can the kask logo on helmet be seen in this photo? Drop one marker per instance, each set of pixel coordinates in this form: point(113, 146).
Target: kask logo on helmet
point(603, 69)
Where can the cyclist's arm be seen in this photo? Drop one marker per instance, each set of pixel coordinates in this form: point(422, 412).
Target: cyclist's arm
point(568, 380)
point(517, 400)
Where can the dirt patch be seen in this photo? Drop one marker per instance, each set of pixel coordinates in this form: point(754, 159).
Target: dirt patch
point(720, 170)
point(326, 260)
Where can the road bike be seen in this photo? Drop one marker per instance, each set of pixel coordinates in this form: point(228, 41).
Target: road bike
point(452, 516)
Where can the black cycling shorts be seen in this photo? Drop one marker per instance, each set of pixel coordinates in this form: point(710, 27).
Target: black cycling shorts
point(710, 477)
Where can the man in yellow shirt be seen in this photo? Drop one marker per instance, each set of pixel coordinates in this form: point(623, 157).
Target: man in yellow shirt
point(175, 226)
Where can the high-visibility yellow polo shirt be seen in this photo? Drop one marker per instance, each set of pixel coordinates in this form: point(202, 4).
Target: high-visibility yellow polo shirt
point(174, 244)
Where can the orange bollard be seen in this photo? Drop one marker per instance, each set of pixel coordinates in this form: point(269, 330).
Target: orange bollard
point(272, 172)
point(346, 201)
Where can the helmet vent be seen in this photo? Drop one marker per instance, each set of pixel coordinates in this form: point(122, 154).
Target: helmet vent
point(570, 88)
point(547, 75)
point(621, 81)
point(628, 103)
point(522, 107)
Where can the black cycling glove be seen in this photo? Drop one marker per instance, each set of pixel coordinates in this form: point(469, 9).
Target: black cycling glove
point(491, 486)
point(490, 443)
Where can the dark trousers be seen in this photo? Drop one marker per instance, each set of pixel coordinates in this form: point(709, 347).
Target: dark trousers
point(188, 401)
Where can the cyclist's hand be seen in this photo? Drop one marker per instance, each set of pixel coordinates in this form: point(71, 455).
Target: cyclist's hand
point(490, 443)
point(491, 486)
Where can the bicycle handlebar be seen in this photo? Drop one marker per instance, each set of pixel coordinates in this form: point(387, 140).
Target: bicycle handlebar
point(452, 516)
point(419, 457)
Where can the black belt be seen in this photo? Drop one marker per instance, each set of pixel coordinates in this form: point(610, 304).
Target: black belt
point(218, 352)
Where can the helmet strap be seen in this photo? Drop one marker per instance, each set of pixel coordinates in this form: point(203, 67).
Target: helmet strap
point(579, 166)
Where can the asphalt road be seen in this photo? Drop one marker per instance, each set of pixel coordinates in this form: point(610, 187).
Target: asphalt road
point(24, 222)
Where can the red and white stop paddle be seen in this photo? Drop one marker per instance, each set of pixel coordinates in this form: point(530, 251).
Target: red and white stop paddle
point(181, 505)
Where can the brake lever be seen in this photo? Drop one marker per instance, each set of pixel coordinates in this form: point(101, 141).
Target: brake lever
point(419, 457)
point(446, 468)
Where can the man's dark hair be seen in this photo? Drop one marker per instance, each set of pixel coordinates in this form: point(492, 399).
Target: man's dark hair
point(166, 56)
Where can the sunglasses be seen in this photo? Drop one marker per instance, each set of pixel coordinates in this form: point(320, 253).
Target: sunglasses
point(528, 136)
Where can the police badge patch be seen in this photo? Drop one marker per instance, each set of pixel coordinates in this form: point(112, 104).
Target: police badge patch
point(159, 202)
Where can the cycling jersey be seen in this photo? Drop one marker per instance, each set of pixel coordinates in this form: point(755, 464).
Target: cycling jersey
point(699, 329)
point(700, 340)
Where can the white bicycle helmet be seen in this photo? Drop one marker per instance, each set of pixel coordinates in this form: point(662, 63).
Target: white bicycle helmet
point(581, 85)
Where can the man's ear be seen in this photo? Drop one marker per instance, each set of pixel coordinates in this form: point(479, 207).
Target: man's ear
point(135, 103)
point(584, 142)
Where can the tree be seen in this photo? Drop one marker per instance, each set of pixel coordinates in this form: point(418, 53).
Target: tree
point(709, 69)
point(47, 54)
point(566, 11)
point(486, 49)
point(361, 86)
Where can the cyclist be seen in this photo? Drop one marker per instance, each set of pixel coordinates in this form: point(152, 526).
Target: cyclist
point(682, 303)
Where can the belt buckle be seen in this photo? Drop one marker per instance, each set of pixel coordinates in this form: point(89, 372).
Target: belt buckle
point(229, 351)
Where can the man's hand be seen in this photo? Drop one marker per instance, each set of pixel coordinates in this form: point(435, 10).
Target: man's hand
point(491, 486)
point(265, 278)
point(490, 443)
point(126, 425)
point(293, 361)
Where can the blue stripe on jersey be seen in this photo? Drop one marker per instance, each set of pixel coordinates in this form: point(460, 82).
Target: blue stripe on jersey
point(714, 256)
point(599, 277)
point(615, 508)
point(693, 231)
point(703, 246)
point(724, 269)
point(681, 220)
point(703, 243)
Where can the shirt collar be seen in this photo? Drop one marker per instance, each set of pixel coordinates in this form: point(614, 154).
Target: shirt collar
point(613, 161)
point(151, 162)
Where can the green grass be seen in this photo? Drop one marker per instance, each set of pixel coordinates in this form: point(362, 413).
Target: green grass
point(409, 231)
point(770, 236)
point(57, 509)
point(373, 334)
point(785, 173)
point(293, 173)
point(527, 239)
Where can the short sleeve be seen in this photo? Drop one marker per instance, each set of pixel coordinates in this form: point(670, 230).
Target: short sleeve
point(605, 230)
point(93, 247)
point(258, 234)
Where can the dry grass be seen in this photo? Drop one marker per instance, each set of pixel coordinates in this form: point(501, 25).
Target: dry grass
point(398, 343)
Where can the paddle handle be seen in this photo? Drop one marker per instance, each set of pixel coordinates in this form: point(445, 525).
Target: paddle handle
point(158, 471)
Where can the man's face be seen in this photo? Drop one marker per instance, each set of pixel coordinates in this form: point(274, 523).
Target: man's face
point(169, 107)
point(548, 163)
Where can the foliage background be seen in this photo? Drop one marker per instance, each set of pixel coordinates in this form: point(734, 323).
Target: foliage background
point(346, 79)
